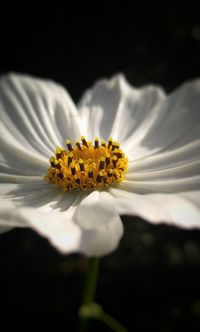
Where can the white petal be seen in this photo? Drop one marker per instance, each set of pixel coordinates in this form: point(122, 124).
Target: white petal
point(92, 228)
point(100, 225)
point(35, 116)
point(162, 185)
point(10, 178)
point(181, 209)
point(58, 228)
point(39, 195)
point(185, 170)
point(4, 229)
point(114, 108)
point(188, 154)
point(177, 124)
point(43, 208)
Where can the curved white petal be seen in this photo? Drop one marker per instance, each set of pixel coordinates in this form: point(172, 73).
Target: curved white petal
point(92, 228)
point(184, 170)
point(58, 228)
point(43, 208)
point(181, 209)
point(180, 157)
point(175, 127)
point(166, 185)
point(114, 108)
point(38, 195)
point(21, 179)
point(35, 116)
point(101, 227)
point(4, 229)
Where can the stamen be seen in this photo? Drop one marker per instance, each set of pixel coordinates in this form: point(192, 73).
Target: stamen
point(118, 154)
point(110, 172)
point(114, 161)
point(77, 180)
point(107, 159)
point(96, 143)
point(103, 143)
point(59, 151)
point(102, 163)
point(110, 141)
point(57, 164)
point(78, 145)
point(81, 164)
point(90, 173)
point(70, 158)
point(84, 141)
point(99, 176)
point(69, 145)
point(61, 176)
point(73, 168)
point(57, 171)
point(51, 160)
point(86, 166)
point(114, 146)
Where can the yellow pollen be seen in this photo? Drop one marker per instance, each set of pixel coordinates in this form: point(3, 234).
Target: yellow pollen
point(87, 166)
point(103, 143)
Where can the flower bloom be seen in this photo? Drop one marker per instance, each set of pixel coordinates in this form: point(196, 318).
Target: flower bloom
point(74, 201)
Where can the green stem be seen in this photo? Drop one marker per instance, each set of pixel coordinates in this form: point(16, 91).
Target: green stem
point(111, 322)
point(89, 309)
point(89, 291)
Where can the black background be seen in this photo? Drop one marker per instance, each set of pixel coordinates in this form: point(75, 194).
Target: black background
point(152, 280)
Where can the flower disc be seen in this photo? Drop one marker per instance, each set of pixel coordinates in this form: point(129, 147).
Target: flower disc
point(87, 166)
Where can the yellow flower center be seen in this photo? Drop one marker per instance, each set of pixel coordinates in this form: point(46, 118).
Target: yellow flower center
point(87, 165)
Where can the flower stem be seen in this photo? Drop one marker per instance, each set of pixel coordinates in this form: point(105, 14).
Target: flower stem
point(91, 281)
point(89, 292)
point(111, 322)
point(89, 309)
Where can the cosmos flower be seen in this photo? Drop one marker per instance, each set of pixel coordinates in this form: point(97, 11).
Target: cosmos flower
point(69, 172)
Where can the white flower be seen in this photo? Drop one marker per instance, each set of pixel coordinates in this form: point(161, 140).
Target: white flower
point(159, 134)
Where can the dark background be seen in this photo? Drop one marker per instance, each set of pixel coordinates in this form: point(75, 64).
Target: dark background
point(152, 281)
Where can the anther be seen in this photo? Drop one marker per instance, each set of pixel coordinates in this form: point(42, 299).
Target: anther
point(119, 154)
point(101, 163)
point(114, 174)
point(107, 159)
point(70, 158)
point(77, 180)
point(81, 165)
point(57, 164)
point(58, 152)
point(69, 145)
point(73, 168)
point(96, 143)
point(110, 141)
point(110, 173)
point(103, 143)
point(84, 141)
point(114, 146)
point(61, 176)
point(99, 176)
point(57, 171)
point(51, 160)
point(114, 161)
point(78, 145)
point(90, 173)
